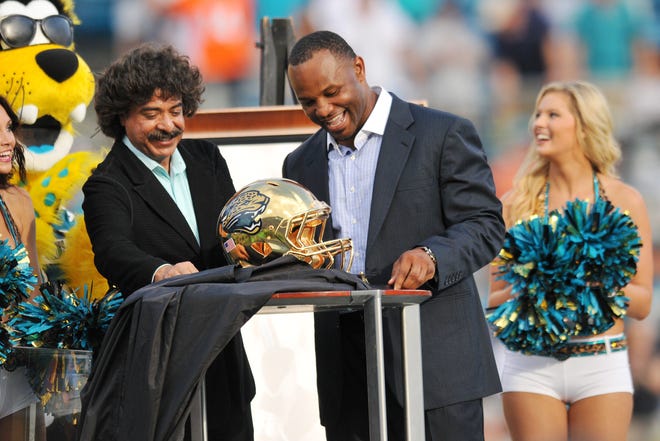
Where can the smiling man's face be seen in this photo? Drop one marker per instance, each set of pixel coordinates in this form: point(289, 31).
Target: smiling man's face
point(333, 93)
point(156, 127)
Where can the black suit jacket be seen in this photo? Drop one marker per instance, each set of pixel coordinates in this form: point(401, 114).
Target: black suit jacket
point(135, 226)
point(433, 187)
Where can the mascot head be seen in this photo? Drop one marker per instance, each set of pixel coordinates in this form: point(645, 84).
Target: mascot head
point(50, 86)
point(47, 83)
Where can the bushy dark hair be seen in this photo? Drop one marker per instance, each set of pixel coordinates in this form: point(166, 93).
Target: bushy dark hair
point(132, 80)
point(307, 46)
point(18, 160)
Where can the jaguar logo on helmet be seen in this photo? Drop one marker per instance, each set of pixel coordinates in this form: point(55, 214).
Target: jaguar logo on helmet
point(243, 212)
point(271, 218)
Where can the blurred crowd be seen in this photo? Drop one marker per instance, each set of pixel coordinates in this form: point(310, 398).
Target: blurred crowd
point(483, 59)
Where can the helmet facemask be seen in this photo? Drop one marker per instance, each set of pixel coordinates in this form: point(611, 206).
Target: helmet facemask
point(304, 233)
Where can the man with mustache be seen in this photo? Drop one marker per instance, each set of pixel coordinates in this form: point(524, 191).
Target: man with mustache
point(151, 205)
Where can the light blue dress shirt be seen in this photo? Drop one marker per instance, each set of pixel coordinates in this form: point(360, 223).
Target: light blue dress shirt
point(175, 183)
point(351, 179)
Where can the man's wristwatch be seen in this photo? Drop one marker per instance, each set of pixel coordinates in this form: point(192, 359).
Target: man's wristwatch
point(428, 251)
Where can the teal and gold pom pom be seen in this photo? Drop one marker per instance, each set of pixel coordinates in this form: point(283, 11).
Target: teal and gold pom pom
point(60, 318)
point(567, 272)
point(17, 279)
point(54, 338)
point(534, 260)
point(607, 247)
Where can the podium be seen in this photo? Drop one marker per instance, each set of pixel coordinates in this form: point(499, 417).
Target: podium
point(372, 302)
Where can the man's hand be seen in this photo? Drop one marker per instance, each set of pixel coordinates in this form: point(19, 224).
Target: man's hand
point(412, 269)
point(178, 269)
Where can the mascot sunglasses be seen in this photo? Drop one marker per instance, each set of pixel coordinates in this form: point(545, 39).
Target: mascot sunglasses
point(18, 30)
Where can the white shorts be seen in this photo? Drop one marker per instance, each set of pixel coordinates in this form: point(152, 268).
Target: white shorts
point(570, 380)
point(15, 391)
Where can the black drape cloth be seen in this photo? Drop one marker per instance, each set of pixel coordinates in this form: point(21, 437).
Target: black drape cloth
point(165, 336)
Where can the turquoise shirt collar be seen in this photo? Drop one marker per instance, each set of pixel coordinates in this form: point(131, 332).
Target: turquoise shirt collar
point(177, 164)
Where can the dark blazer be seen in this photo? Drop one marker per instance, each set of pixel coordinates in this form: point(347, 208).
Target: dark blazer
point(135, 226)
point(434, 188)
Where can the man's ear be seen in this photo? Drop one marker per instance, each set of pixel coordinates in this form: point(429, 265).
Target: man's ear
point(359, 69)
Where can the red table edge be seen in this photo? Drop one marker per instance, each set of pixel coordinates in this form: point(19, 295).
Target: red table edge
point(385, 292)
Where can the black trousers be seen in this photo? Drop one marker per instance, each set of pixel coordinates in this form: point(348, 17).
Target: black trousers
point(457, 422)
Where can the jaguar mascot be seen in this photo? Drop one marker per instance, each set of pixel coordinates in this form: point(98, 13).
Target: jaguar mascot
point(50, 86)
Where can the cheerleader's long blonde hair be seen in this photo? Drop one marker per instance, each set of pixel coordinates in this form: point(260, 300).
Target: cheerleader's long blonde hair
point(595, 137)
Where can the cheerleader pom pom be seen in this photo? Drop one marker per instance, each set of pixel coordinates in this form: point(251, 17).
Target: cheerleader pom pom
point(535, 257)
point(17, 278)
point(607, 246)
point(6, 345)
point(528, 328)
point(536, 260)
point(59, 318)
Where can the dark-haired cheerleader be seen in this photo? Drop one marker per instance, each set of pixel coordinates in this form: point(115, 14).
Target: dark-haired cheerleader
point(19, 271)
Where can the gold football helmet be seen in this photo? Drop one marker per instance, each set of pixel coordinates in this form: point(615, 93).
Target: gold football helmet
point(277, 217)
